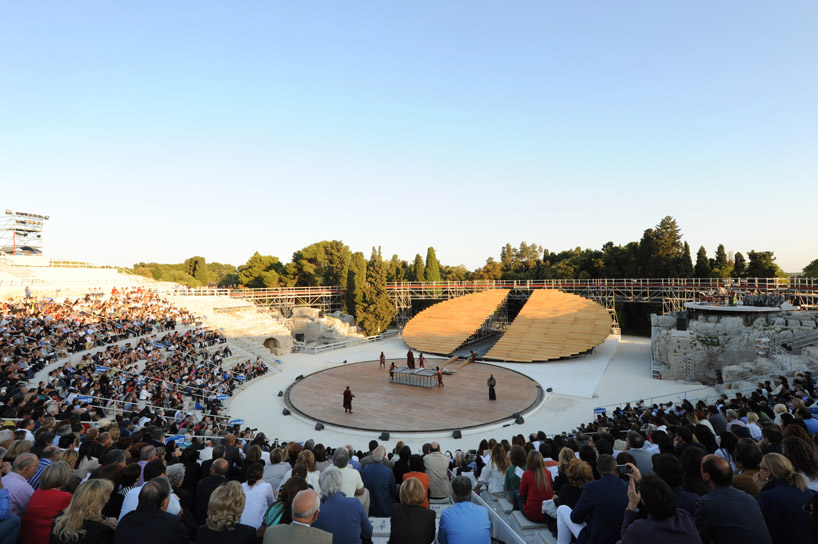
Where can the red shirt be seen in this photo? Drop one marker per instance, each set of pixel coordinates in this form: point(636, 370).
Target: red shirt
point(533, 496)
point(424, 480)
point(44, 506)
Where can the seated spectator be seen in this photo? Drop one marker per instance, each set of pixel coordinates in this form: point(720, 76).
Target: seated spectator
point(598, 514)
point(747, 456)
point(692, 472)
point(82, 522)
point(578, 474)
point(353, 485)
point(401, 466)
point(784, 494)
point(307, 460)
point(726, 446)
point(636, 447)
point(16, 483)
point(280, 512)
point(218, 476)
point(9, 523)
point(223, 512)
point(511, 481)
point(258, 496)
point(437, 467)
point(45, 504)
point(154, 469)
point(665, 523)
point(151, 522)
point(669, 469)
point(535, 487)
point(340, 515)
point(127, 481)
point(465, 522)
point(306, 507)
point(417, 470)
point(565, 456)
point(494, 473)
point(48, 455)
point(380, 482)
point(727, 515)
point(803, 458)
point(411, 523)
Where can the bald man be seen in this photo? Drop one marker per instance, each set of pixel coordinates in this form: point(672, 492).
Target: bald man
point(726, 514)
point(437, 467)
point(306, 505)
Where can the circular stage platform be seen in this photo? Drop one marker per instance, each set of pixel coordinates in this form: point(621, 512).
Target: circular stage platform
point(379, 405)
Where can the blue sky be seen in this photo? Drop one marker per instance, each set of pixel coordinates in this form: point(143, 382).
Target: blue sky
point(153, 131)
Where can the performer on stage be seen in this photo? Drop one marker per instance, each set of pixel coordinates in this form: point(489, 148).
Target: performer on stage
point(491, 383)
point(421, 361)
point(392, 369)
point(439, 377)
point(348, 396)
point(383, 360)
point(410, 359)
point(473, 356)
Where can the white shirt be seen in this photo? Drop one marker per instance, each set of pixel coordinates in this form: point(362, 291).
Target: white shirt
point(312, 479)
point(131, 501)
point(259, 498)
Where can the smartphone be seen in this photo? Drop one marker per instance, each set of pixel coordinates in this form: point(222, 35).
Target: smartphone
point(623, 469)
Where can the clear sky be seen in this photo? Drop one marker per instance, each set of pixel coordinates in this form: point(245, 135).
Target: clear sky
point(154, 131)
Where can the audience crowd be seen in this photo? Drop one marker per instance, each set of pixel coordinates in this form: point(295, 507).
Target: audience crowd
point(134, 465)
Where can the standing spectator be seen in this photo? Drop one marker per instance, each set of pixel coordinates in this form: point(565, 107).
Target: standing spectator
point(535, 487)
point(784, 494)
point(258, 496)
point(223, 512)
point(45, 504)
point(306, 506)
point(465, 522)
point(727, 515)
point(380, 481)
point(82, 522)
point(342, 516)
point(411, 523)
point(20, 491)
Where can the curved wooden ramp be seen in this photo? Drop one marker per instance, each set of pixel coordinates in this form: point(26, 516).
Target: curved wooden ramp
point(444, 327)
point(553, 325)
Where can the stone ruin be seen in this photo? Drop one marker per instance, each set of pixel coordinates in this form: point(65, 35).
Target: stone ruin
point(728, 343)
point(312, 326)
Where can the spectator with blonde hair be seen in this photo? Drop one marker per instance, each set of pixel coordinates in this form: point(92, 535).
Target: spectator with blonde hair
point(307, 459)
point(784, 493)
point(82, 522)
point(46, 502)
point(223, 514)
point(411, 521)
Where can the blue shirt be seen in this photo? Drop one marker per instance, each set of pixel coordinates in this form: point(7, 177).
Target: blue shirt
point(344, 518)
point(464, 523)
point(34, 481)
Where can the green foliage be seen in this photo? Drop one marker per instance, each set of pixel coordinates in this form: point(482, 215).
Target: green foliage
point(356, 281)
point(261, 271)
point(321, 263)
point(377, 309)
point(418, 271)
point(702, 268)
point(739, 266)
point(492, 271)
point(454, 273)
point(432, 269)
point(720, 261)
point(686, 265)
point(811, 270)
point(762, 265)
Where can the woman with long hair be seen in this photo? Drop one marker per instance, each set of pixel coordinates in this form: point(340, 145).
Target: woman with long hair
point(281, 510)
point(494, 473)
point(307, 459)
point(728, 442)
point(565, 456)
point(258, 495)
point(223, 513)
point(511, 482)
point(803, 458)
point(535, 487)
point(82, 522)
point(45, 504)
point(86, 462)
point(253, 456)
point(784, 493)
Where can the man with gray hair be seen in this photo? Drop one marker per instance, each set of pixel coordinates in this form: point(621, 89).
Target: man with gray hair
point(20, 491)
point(380, 481)
point(353, 485)
point(6, 438)
point(305, 508)
point(146, 455)
point(465, 522)
point(344, 517)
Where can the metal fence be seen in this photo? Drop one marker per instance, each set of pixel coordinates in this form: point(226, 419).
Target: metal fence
point(300, 347)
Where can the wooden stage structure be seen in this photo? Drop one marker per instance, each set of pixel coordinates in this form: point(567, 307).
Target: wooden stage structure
point(552, 325)
point(380, 405)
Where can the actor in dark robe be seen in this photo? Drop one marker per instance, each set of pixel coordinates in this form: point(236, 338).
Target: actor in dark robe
point(410, 359)
point(348, 396)
point(491, 383)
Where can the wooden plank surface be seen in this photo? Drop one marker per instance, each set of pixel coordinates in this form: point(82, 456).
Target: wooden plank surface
point(383, 406)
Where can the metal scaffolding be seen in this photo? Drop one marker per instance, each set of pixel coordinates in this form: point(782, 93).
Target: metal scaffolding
point(21, 233)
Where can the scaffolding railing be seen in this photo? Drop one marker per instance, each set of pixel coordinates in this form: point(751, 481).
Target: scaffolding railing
point(300, 347)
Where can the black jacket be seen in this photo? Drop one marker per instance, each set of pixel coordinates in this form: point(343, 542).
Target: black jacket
point(412, 525)
point(155, 527)
point(205, 488)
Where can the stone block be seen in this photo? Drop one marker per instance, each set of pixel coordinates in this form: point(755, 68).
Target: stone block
point(526, 524)
point(505, 506)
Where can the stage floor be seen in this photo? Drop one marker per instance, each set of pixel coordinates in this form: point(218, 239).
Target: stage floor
point(383, 406)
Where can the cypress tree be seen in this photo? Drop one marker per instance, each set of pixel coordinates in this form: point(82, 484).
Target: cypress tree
point(702, 269)
point(418, 269)
point(686, 266)
point(377, 309)
point(739, 265)
point(432, 271)
point(356, 281)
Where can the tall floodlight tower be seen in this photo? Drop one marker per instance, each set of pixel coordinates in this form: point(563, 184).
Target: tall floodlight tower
point(21, 233)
